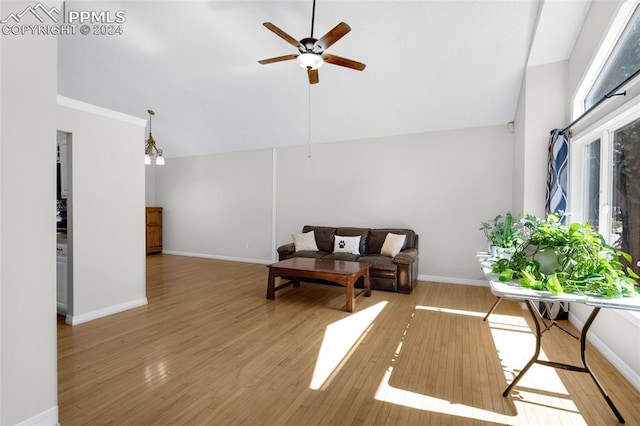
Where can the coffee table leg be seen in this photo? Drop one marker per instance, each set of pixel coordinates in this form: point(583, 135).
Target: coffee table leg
point(271, 286)
point(367, 285)
point(351, 302)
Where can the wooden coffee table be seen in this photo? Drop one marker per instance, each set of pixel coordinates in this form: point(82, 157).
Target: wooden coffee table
point(337, 271)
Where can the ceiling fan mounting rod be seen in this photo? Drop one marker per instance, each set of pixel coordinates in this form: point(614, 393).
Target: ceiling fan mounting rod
point(313, 16)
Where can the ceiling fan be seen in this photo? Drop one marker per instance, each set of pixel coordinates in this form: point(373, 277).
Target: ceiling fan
point(312, 51)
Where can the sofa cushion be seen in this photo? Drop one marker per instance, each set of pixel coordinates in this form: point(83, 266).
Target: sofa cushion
point(393, 243)
point(407, 257)
point(324, 236)
point(363, 233)
point(377, 237)
point(311, 254)
point(382, 283)
point(341, 256)
point(305, 241)
point(378, 261)
point(342, 244)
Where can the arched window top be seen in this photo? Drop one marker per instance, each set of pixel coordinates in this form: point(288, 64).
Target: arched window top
point(622, 62)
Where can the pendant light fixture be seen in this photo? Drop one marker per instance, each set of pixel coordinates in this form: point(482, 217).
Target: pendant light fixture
point(151, 151)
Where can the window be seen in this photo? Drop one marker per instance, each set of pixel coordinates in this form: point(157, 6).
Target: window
point(605, 182)
point(605, 160)
point(625, 190)
point(592, 189)
point(622, 63)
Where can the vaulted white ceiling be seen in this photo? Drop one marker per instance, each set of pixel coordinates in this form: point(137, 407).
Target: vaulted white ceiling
point(431, 65)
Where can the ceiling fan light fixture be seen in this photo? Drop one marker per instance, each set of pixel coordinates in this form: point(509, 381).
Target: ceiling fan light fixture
point(310, 61)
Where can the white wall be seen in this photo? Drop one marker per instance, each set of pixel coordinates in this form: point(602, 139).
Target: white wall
point(107, 200)
point(440, 184)
point(542, 107)
point(216, 205)
point(520, 125)
point(28, 389)
point(150, 185)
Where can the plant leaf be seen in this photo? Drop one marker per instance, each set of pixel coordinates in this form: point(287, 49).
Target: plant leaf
point(553, 284)
point(627, 256)
point(506, 275)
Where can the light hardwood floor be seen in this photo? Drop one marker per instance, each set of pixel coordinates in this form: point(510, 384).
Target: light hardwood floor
point(210, 349)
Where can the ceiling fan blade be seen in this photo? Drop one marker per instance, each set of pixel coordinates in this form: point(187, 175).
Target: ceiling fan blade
point(313, 76)
point(343, 62)
point(286, 37)
point(277, 59)
point(334, 35)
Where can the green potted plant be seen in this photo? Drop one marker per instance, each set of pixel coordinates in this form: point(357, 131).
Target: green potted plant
point(571, 259)
point(501, 234)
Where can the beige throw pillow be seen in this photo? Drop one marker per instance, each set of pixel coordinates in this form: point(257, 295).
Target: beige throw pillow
point(393, 243)
point(305, 242)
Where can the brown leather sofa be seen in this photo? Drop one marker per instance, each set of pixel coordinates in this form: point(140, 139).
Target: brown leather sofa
point(398, 273)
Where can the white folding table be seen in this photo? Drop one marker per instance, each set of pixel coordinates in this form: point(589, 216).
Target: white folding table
point(512, 290)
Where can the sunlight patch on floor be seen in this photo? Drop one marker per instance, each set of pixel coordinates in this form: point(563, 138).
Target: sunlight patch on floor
point(450, 311)
point(340, 339)
point(156, 372)
point(393, 395)
point(515, 344)
point(541, 385)
point(388, 393)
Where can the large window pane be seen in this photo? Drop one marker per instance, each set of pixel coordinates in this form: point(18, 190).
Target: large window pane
point(622, 63)
point(625, 219)
point(592, 190)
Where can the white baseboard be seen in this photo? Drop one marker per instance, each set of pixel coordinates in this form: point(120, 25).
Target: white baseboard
point(110, 310)
point(626, 371)
point(453, 280)
point(46, 418)
point(216, 257)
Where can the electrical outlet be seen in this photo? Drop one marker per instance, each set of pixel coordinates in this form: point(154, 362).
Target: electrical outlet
point(246, 245)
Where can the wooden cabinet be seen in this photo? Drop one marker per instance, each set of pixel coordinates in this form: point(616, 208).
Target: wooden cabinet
point(154, 230)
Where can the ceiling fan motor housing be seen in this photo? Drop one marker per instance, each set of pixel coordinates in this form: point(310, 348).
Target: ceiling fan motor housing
point(310, 45)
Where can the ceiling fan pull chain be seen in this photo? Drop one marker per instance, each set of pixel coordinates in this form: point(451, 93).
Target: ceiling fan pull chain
point(309, 125)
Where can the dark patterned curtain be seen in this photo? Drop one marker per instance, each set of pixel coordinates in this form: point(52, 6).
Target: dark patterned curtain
point(557, 172)
point(556, 200)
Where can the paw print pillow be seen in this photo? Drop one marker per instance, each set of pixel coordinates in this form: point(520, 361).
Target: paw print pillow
point(346, 245)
